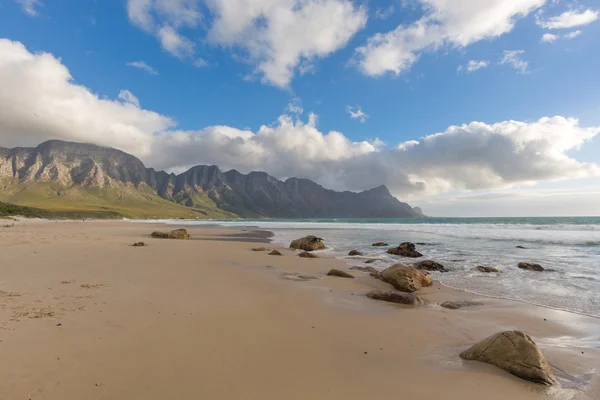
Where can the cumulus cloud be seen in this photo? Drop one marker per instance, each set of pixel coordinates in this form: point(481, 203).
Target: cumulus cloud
point(278, 37)
point(40, 100)
point(357, 113)
point(513, 59)
point(30, 7)
point(143, 66)
point(568, 19)
point(454, 24)
point(549, 38)
point(384, 13)
point(572, 35)
point(474, 65)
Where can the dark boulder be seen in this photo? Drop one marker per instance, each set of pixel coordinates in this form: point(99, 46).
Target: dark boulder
point(429, 265)
point(308, 243)
point(395, 297)
point(275, 253)
point(338, 273)
point(380, 244)
point(405, 249)
point(487, 269)
point(354, 253)
point(306, 254)
point(531, 267)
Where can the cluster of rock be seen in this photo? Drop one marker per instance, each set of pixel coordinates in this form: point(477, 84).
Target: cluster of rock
point(308, 243)
point(405, 249)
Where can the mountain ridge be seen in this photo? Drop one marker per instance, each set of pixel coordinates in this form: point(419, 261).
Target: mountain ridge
point(63, 168)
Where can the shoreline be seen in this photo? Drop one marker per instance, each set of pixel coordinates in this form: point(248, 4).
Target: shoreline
point(223, 284)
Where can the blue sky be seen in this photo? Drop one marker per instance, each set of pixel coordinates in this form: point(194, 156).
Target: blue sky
point(403, 100)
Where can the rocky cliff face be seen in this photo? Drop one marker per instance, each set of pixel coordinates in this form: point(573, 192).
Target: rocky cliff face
point(256, 194)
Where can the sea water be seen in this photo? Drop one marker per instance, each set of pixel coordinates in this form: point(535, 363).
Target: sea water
point(569, 247)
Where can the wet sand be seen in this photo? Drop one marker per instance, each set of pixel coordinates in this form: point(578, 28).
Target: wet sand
point(83, 315)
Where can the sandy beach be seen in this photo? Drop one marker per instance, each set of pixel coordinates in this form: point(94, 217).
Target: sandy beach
point(84, 315)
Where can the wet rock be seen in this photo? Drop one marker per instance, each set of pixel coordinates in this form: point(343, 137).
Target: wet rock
point(429, 265)
point(354, 253)
point(487, 269)
point(531, 266)
point(306, 254)
point(176, 234)
point(405, 249)
point(139, 244)
point(514, 352)
point(259, 249)
point(520, 247)
point(455, 305)
point(406, 278)
point(380, 244)
point(308, 243)
point(395, 297)
point(275, 253)
point(338, 273)
point(371, 261)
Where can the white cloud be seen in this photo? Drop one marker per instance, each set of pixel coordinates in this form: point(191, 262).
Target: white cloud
point(30, 7)
point(143, 66)
point(357, 113)
point(278, 37)
point(513, 58)
point(569, 19)
point(455, 24)
point(549, 38)
point(127, 97)
point(295, 106)
point(474, 65)
point(39, 100)
point(384, 14)
point(572, 35)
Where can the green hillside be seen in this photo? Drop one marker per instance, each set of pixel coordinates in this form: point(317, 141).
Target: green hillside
point(115, 202)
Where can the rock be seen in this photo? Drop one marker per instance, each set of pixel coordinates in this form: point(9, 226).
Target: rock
point(405, 278)
point(306, 254)
point(531, 266)
point(139, 244)
point(371, 261)
point(487, 269)
point(429, 265)
point(275, 253)
point(405, 249)
point(455, 305)
point(380, 244)
point(354, 253)
point(369, 270)
point(395, 297)
point(338, 273)
point(176, 234)
point(520, 247)
point(308, 243)
point(514, 352)
point(259, 249)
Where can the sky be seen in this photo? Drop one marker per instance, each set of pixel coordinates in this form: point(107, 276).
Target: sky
point(464, 108)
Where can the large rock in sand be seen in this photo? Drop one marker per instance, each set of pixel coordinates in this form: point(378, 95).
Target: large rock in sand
point(308, 243)
point(395, 297)
point(306, 254)
point(340, 274)
point(405, 249)
point(176, 234)
point(405, 278)
point(514, 352)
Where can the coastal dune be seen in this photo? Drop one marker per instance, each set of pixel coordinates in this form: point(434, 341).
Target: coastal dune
point(84, 315)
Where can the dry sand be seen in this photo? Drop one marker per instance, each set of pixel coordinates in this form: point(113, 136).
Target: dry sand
point(83, 315)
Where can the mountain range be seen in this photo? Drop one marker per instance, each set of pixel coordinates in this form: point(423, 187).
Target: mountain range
point(89, 179)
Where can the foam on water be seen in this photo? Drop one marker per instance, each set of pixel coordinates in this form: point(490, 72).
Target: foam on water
point(568, 246)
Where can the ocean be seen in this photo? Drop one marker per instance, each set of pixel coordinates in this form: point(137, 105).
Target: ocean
point(569, 246)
